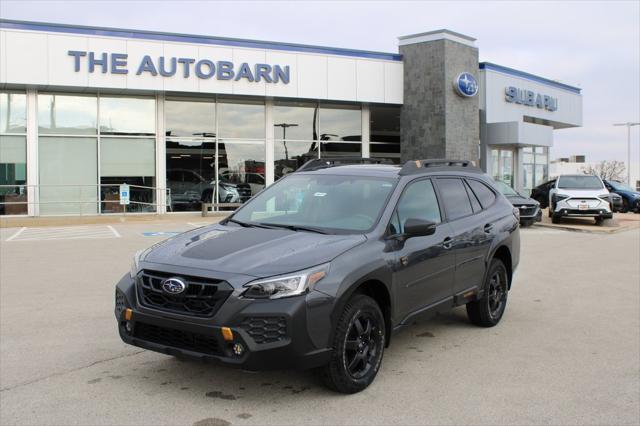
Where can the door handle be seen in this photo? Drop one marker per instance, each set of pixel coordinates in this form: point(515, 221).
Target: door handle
point(488, 228)
point(447, 243)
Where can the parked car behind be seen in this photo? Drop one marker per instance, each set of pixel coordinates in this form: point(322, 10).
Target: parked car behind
point(630, 197)
point(529, 208)
point(579, 196)
point(541, 193)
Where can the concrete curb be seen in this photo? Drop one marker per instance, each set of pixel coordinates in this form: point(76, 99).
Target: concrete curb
point(600, 230)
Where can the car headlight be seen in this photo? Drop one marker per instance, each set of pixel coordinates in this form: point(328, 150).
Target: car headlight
point(135, 264)
point(286, 285)
point(558, 197)
point(606, 196)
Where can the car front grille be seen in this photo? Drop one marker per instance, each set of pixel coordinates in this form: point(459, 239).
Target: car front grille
point(201, 298)
point(527, 210)
point(265, 329)
point(177, 338)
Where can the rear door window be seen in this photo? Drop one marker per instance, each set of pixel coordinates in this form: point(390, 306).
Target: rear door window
point(455, 199)
point(418, 201)
point(482, 191)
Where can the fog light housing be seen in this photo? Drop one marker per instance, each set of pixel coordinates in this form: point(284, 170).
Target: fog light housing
point(238, 349)
point(127, 327)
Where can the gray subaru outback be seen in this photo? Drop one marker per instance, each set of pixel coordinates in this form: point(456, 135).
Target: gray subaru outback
point(320, 269)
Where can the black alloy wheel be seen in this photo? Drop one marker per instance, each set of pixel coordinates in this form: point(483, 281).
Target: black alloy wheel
point(488, 310)
point(361, 344)
point(358, 346)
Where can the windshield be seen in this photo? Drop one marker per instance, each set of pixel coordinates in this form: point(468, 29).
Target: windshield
point(328, 202)
point(579, 182)
point(620, 186)
point(505, 189)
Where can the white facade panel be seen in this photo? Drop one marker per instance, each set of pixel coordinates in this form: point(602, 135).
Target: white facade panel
point(178, 82)
point(215, 54)
point(370, 81)
point(26, 58)
point(98, 79)
point(312, 76)
point(497, 109)
point(393, 82)
point(250, 57)
point(137, 50)
point(41, 58)
point(59, 47)
point(341, 78)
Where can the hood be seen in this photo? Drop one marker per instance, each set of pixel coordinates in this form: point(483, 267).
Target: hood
point(519, 200)
point(579, 193)
point(250, 251)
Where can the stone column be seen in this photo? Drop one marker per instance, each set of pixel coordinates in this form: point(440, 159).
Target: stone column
point(437, 122)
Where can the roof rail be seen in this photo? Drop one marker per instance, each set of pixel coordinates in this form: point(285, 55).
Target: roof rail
point(418, 166)
point(323, 163)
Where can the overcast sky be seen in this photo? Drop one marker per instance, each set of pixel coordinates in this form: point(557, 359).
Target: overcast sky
point(589, 44)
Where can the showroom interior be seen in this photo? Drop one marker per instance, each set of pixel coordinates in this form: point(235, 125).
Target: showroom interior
point(71, 135)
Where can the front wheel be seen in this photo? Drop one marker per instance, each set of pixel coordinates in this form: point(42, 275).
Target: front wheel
point(599, 221)
point(358, 346)
point(487, 311)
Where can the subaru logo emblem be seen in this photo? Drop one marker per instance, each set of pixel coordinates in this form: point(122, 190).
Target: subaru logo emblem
point(466, 85)
point(174, 285)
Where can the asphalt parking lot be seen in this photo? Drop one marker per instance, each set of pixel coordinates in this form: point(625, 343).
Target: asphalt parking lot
point(566, 352)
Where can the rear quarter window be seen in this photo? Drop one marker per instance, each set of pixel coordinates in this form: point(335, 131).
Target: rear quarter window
point(485, 195)
point(455, 199)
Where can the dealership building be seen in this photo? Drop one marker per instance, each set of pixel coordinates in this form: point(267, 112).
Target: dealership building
point(183, 119)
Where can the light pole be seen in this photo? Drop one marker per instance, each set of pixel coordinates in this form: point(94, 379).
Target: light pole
point(285, 126)
point(629, 125)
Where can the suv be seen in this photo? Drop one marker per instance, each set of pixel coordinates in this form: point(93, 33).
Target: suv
point(630, 198)
point(322, 267)
point(579, 196)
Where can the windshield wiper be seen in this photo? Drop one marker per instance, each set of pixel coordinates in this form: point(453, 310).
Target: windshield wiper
point(248, 224)
point(295, 227)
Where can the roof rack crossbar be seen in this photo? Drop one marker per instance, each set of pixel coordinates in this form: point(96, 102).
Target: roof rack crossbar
point(415, 166)
point(323, 163)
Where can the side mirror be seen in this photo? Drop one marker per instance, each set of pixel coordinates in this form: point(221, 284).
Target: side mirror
point(418, 227)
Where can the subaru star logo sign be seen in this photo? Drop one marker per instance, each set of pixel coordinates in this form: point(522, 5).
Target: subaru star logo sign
point(466, 85)
point(173, 285)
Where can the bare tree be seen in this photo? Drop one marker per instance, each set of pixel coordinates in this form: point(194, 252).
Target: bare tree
point(610, 170)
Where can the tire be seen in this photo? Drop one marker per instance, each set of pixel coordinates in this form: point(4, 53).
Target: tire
point(599, 221)
point(555, 219)
point(488, 311)
point(625, 206)
point(358, 346)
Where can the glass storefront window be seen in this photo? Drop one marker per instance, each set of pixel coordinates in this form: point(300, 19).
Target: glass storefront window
point(340, 123)
point(127, 116)
point(502, 166)
point(289, 156)
point(241, 120)
point(296, 121)
point(67, 114)
point(13, 174)
point(190, 118)
point(241, 170)
point(131, 161)
point(340, 149)
point(68, 175)
point(190, 173)
point(385, 132)
point(13, 113)
point(535, 164)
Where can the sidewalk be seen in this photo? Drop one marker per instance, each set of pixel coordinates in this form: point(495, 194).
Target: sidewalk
point(620, 222)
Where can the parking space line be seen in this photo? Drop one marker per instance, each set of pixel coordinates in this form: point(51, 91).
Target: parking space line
point(20, 231)
point(116, 233)
point(64, 233)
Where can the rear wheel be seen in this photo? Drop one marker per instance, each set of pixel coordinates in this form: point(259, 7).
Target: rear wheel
point(358, 346)
point(599, 221)
point(625, 206)
point(555, 219)
point(487, 311)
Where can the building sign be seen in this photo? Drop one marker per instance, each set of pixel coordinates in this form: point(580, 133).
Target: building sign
point(466, 85)
point(117, 63)
point(530, 98)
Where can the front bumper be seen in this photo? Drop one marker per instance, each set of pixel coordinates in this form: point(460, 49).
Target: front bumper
point(589, 207)
point(530, 214)
point(289, 344)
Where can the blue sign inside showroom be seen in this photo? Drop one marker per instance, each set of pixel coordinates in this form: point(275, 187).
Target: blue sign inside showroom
point(118, 63)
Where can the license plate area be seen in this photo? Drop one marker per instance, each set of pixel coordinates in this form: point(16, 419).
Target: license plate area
point(583, 206)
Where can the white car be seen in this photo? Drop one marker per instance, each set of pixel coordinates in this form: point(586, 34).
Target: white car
point(579, 196)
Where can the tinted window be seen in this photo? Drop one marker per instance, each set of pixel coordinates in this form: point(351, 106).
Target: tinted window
point(456, 201)
point(482, 191)
point(418, 202)
point(474, 201)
